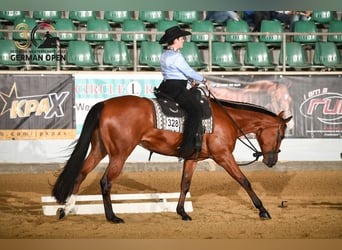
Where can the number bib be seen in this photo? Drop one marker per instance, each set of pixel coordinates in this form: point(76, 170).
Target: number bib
point(174, 124)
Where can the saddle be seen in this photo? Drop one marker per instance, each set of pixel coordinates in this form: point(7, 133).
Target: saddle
point(170, 116)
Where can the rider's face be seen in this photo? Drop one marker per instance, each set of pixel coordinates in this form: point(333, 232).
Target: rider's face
point(179, 42)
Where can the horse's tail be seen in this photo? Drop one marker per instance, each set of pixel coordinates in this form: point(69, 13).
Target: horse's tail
point(65, 181)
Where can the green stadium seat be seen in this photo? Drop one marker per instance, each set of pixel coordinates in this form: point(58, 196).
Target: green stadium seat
point(327, 54)
point(322, 16)
point(65, 25)
point(150, 53)
point(206, 27)
point(116, 54)
point(19, 25)
point(80, 54)
point(8, 50)
point(133, 25)
point(82, 16)
point(271, 26)
point(223, 56)
point(258, 55)
point(335, 26)
point(151, 16)
point(238, 26)
point(117, 16)
point(186, 17)
point(306, 27)
point(295, 57)
point(192, 55)
point(98, 25)
point(46, 15)
point(164, 25)
point(11, 15)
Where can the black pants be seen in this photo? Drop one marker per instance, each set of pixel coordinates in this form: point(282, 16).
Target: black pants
point(258, 16)
point(177, 90)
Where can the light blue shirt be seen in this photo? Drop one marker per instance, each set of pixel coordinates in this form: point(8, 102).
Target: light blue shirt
point(174, 66)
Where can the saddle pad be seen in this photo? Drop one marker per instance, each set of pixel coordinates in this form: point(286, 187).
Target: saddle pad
point(174, 120)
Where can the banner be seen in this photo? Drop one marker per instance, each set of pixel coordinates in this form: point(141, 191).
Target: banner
point(90, 89)
point(37, 107)
point(315, 102)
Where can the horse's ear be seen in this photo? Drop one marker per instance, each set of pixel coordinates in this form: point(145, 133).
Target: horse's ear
point(281, 114)
point(287, 119)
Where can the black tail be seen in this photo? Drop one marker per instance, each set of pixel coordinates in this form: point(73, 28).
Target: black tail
point(65, 181)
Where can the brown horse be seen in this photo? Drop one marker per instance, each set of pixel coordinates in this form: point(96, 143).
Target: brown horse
point(116, 126)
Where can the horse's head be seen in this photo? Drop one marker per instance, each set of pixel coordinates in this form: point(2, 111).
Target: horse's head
point(270, 138)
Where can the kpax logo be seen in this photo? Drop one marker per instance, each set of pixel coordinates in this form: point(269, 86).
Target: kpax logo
point(46, 105)
point(324, 106)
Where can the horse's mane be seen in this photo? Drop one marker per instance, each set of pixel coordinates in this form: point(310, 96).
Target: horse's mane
point(245, 106)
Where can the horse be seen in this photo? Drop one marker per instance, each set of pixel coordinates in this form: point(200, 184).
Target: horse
point(115, 126)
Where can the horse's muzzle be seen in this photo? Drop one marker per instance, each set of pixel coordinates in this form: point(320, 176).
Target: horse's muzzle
point(270, 160)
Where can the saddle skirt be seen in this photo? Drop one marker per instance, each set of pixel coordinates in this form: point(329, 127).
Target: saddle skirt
point(170, 116)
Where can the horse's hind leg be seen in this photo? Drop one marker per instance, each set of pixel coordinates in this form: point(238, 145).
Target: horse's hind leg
point(233, 169)
point(112, 172)
point(89, 164)
point(96, 154)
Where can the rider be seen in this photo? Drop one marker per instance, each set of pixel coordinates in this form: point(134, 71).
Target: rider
point(177, 76)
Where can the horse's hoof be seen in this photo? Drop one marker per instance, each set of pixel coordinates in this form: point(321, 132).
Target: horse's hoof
point(265, 215)
point(186, 217)
point(60, 213)
point(117, 220)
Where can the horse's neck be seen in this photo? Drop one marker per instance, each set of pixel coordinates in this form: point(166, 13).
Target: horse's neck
point(248, 121)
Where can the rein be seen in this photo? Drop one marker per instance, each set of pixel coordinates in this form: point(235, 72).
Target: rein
point(250, 145)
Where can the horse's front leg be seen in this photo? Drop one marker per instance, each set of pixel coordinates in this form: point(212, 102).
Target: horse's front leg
point(263, 214)
point(233, 169)
point(188, 170)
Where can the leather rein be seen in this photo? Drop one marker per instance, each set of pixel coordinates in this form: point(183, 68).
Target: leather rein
point(249, 144)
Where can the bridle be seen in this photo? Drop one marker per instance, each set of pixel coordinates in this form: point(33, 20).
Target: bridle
point(273, 152)
point(249, 144)
point(258, 153)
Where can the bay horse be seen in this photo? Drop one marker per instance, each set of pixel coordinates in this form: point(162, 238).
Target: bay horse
point(115, 126)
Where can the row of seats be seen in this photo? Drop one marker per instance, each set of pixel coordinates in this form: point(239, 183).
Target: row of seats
point(112, 16)
point(206, 27)
point(116, 55)
point(258, 56)
point(188, 16)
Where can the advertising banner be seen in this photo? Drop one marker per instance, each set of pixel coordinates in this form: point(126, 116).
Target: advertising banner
point(315, 102)
point(37, 107)
point(90, 89)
